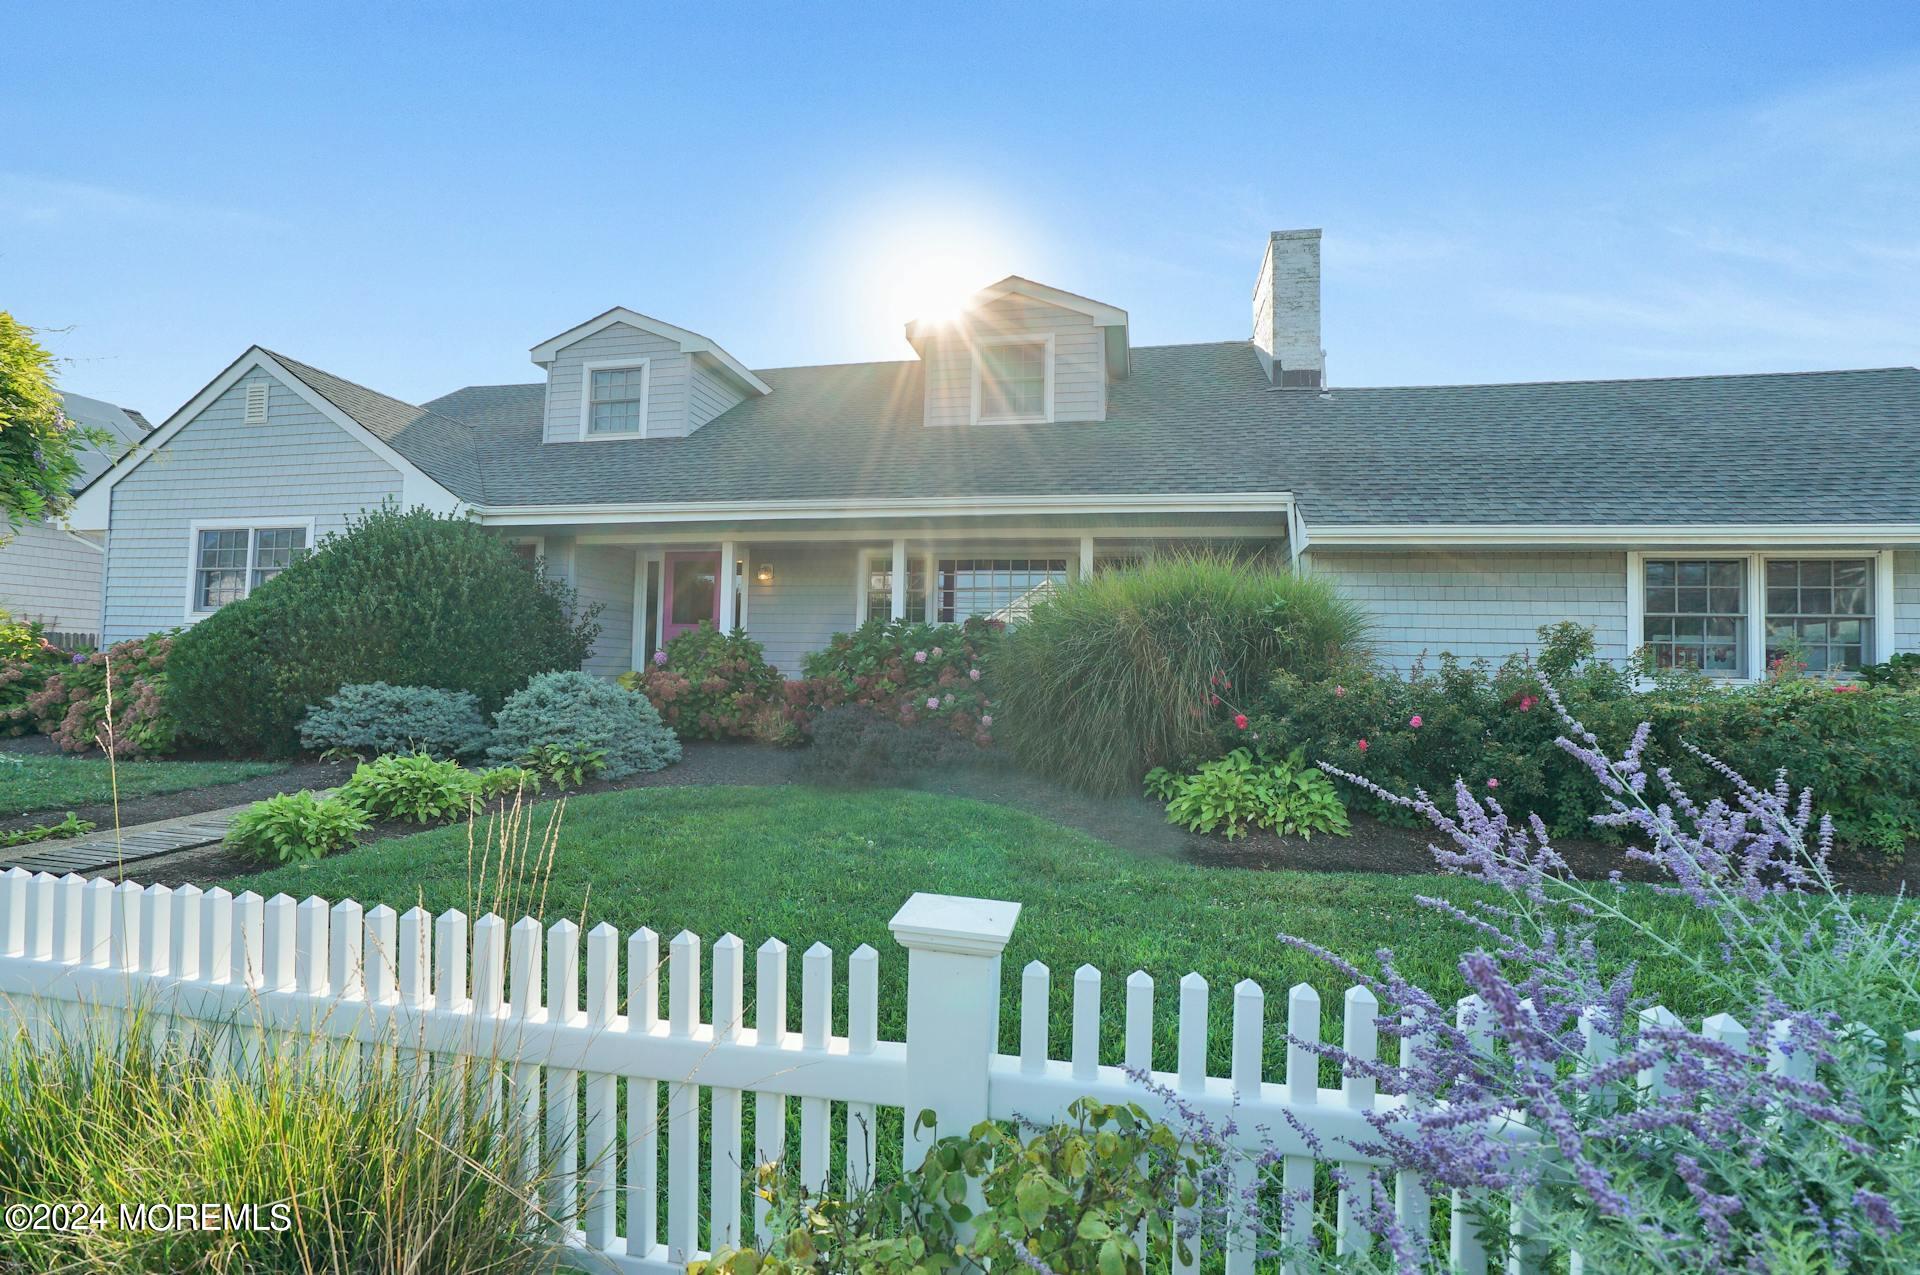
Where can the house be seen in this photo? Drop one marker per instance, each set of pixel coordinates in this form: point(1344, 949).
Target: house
point(51, 573)
point(1029, 441)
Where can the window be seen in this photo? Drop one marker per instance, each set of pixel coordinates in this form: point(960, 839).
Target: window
point(1823, 607)
point(998, 588)
point(1696, 614)
point(231, 562)
point(879, 586)
point(1014, 381)
point(529, 552)
point(616, 399)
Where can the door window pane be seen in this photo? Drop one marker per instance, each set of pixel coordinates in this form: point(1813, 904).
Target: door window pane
point(693, 584)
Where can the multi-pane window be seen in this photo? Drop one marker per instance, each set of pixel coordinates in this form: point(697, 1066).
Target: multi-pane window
point(231, 562)
point(998, 588)
point(1696, 614)
point(879, 576)
point(1013, 381)
point(1822, 607)
point(619, 401)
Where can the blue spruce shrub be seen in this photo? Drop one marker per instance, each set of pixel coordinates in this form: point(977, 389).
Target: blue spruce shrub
point(373, 717)
point(580, 712)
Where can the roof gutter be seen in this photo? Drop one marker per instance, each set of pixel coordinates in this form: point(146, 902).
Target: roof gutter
point(1267, 502)
point(1622, 535)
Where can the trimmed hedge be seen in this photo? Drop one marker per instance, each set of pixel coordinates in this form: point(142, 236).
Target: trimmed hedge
point(409, 598)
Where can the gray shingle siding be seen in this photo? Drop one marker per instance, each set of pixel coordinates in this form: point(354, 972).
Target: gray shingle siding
point(1479, 604)
point(603, 574)
point(1906, 600)
point(1079, 360)
point(667, 373)
point(48, 575)
point(811, 598)
point(298, 464)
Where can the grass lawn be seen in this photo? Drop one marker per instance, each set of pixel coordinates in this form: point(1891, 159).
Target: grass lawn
point(43, 782)
point(807, 865)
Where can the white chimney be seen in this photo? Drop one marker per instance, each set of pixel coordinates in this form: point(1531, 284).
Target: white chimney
point(1286, 310)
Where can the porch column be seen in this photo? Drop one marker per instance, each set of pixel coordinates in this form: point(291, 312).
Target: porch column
point(1086, 557)
point(725, 584)
point(899, 589)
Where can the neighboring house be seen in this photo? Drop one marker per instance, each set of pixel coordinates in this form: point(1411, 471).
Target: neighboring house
point(51, 573)
point(1029, 441)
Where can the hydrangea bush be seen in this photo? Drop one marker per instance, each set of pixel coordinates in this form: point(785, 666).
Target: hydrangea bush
point(72, 704)
point(915, 674)
point(1784, 1137)
point(27, 659)
point(581, 713)
point(710, 685)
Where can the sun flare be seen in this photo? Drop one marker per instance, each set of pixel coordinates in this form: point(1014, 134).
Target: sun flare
point(924, 266)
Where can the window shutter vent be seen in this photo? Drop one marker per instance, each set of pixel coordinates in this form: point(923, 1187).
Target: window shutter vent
point(256, 403)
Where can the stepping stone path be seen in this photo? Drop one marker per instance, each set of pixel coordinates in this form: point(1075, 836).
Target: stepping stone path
point(98, 850)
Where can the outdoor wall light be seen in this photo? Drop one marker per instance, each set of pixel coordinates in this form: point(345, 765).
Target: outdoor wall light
point(763, 574)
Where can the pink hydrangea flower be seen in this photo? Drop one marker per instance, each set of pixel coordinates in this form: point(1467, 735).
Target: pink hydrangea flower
point(974, 674)
point(1339, 692)
point(933, 701)
point(1414, 721)
point(1240, 720)
point(947, 699)
point(919, 657)
point(660, 658)
point(986, 719)
point(937, 652)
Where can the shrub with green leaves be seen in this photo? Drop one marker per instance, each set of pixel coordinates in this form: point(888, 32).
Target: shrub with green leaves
point(504, 783)
point(1119, 673)
point(116, 699)
point(856, 747)
point(1239, 791)
point(373, 717)
point(709, 685)
point(296, 827)
point(27, 660)
point(410, 599)
point(932, 675)
point(581, 713)
point(411, 786)
point(561, 766)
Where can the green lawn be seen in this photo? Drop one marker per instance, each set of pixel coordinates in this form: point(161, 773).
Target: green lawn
point(62, 783)
point(807, 865)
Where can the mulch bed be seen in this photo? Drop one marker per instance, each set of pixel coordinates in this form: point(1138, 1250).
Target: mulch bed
point(1131, 822)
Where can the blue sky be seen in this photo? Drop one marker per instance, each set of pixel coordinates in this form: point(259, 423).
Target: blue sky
point(413, 195)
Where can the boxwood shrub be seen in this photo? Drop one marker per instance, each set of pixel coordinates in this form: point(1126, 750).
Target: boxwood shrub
point(408, 598)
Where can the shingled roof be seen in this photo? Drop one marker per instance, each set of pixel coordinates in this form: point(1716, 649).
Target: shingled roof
point(1781, 449)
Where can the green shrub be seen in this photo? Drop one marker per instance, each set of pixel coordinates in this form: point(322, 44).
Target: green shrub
point(132, 679)
point(580, 713)
point(410, 599)
point(410, 786)
point(1238, 791)
point(916, 674)
point(855, 747)
point(709, 685)
point(373, 717)
point(72, 826)
point(563, 767)
point(1901, 672)
point(1073, 1198)
point(1122, 672)
point(396, 1171)
point(501, 783)
point(27, 660)
point(296, 827)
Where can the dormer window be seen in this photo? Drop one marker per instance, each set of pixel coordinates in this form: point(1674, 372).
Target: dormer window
point(1013, 380)
point(615, 404)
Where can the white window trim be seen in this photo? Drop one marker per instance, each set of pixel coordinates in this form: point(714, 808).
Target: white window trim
point(1881, 613)
point(643, 366)
point(1023, 338)
point(539, 544)
point(241, 523)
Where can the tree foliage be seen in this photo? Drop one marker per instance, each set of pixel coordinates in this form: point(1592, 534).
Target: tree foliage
point(39, 445)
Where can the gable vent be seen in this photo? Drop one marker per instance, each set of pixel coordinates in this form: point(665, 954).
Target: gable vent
point(256, 403)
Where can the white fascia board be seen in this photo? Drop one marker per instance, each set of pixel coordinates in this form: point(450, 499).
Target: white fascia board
point(92, 508)
point(1655, 534)
point(1102, 314)
point(689, 342)
point(963, 506)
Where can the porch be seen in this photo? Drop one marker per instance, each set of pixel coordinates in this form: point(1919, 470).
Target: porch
point(792, 589)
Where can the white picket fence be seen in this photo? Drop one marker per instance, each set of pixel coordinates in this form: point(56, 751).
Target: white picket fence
point(443, 988)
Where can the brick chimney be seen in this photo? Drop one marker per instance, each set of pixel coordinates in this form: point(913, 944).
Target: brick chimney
point(1286, 310)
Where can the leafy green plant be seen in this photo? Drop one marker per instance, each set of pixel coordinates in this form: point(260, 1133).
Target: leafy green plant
point(580, 714)
point(1114, 675)
point(376, 718)
point(40, 447)
point(707, 684)
point(1239, 791)
point(499, 783)
point(407, 598)
point(296, 827)
point(857, 747)
point(72, 826)
point(71, 704)
point(934, 675)
point(1073, 1198)
point(1901, 672)
point(410, 786)
point(561, 766)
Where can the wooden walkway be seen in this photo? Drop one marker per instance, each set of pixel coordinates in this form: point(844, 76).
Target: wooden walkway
point(109, 849)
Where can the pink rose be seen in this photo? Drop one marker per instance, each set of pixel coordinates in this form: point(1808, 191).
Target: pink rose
point(1362, 745)
point(1240, 720)
point(1493, 783)
point(1414, 721)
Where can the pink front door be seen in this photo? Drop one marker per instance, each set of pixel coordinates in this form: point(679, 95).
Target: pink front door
point(691, 594)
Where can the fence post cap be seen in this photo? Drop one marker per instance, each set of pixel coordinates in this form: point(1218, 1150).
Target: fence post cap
point(952, 923)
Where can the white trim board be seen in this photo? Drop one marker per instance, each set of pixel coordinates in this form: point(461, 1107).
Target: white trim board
point(1737, 536)
point(237, 522)
point(971, 506)
point(689, 342)
point(92, 508)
